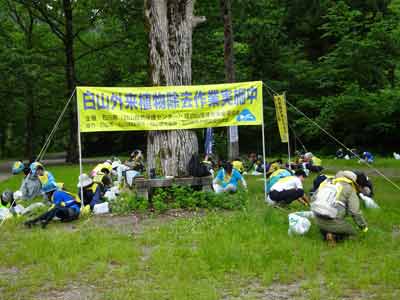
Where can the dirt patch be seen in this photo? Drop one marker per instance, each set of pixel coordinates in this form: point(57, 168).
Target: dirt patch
point(135, 224)
point(9, 274)
point(276, 291)
point(71, 292)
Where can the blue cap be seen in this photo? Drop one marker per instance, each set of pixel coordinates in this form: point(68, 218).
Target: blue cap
point(17, 167)
point(49, 186)
point(34, 166)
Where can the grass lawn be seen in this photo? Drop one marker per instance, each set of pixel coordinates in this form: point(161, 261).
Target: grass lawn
point(216, 255)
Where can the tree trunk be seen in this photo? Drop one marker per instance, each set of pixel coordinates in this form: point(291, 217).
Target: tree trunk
point(72, 151)
point(170, 24)
point(226, 12)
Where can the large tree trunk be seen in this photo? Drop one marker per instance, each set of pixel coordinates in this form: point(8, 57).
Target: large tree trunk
point(170, 25)
point(72, 151)
point(226, 12)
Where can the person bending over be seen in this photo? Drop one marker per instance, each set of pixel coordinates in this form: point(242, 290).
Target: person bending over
point(336, 199)
point(288, 189)
point(65, 206)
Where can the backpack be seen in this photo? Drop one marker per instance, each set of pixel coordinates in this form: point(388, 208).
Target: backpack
point(196, 168)
point(325, 203)
point(275, 177)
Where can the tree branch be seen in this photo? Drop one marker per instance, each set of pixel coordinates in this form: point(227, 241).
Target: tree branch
point(105, 46)
point(197, 20)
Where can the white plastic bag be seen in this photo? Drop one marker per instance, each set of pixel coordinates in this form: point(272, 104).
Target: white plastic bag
point(18, 195)
point(298, 225)
point(130, 175)
point(18, 209)
point(5, 213)
point(32, 207)
point(112, 194)
point(306, 214)
point(101, 208)
point(369, 202)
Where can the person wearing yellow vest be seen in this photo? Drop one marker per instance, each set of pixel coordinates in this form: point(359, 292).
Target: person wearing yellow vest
point(288, 189)
point(105, 168)
point(92, 191)
point(348, 204)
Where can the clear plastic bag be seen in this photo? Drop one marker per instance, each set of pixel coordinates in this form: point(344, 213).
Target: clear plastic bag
point(369, 202)
point(298, 225)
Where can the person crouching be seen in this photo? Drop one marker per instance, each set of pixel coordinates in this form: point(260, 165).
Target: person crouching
point(92, 191)
point(289, 189)
point(330, 214)
point(227, 179)
point(65, 206)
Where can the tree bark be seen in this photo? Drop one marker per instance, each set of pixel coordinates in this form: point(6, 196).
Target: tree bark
point(170, 24)
point(226, 12)
point(72, 151)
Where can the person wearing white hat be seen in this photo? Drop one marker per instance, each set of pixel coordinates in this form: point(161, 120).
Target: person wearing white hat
point(92, 191)
point(346, 203)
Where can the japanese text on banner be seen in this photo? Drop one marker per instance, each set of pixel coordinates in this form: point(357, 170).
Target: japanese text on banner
point(281, 117)
point(169, 107)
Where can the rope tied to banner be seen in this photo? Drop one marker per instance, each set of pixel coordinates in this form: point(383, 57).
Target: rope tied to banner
point(335, 139)
point(53, 131)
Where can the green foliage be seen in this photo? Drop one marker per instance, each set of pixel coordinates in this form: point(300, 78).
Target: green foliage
point(186, 198)
point(126, 203)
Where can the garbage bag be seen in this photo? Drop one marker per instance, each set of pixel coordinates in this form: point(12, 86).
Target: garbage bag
point(369, 202)
point(5, 213)
point(112, 194)
point(32, 207)
point(101, 208)
point(18, 209)
point(298, 225)
point(306, 214)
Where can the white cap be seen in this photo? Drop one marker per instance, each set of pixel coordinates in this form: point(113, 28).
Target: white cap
point(84, 181)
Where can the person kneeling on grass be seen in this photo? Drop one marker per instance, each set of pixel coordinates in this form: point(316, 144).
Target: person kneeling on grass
point(65, 206)
point(227, 179)
point(92, 191)
point(288, 189)
point(335, 199)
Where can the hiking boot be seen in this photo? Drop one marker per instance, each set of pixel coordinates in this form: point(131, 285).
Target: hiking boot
point(44, 224)
point(330, 238)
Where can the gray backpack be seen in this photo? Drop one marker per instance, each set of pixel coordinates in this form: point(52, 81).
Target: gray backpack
point(325, 202)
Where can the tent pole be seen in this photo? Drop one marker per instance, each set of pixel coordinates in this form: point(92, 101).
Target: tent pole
point(288, 135)
point(79, 150)
point(265, 171)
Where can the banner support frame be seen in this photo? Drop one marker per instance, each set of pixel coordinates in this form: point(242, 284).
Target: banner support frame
point(264, 169)
point(80, 152)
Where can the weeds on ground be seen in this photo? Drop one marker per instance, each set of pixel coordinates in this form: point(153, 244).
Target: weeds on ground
point(178, 197)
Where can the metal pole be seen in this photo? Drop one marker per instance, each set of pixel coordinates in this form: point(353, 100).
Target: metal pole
point(265, 171)
point(288, 135)
point(79, 149)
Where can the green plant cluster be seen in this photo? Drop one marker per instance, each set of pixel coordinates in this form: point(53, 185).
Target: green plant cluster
point(187, 198)
point(178, 197)
point(127, 203)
